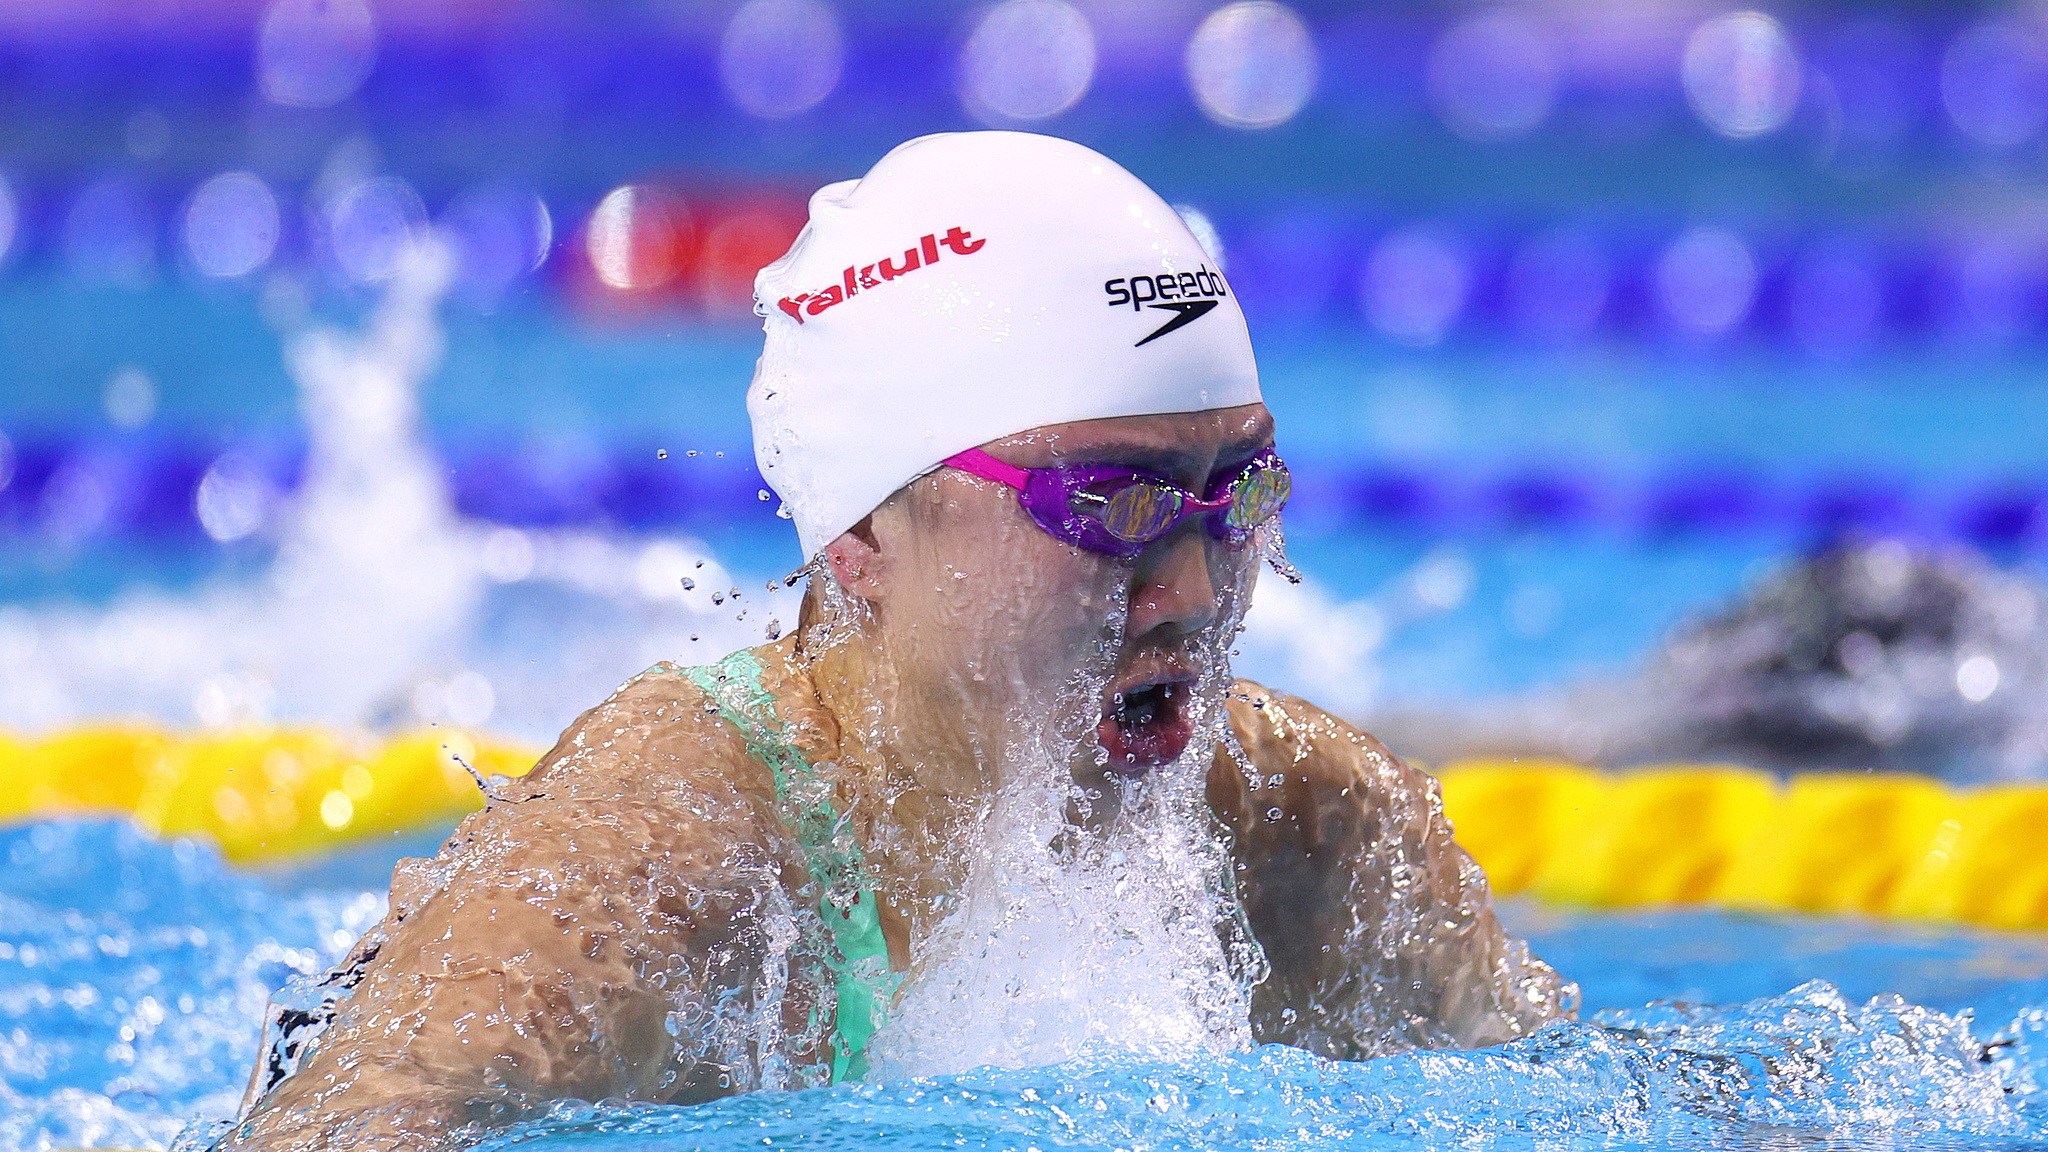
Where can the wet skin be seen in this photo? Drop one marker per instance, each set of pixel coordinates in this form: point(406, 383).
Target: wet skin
point(544, 953)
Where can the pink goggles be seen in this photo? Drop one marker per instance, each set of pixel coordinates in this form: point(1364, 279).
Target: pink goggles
point(1118, 511)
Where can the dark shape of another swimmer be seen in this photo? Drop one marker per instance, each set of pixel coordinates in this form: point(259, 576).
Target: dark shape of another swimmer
point(1867, 655)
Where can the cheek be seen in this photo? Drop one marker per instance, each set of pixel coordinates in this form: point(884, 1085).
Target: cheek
point(1011, 589)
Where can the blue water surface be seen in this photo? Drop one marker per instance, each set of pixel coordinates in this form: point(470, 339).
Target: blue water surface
point(133, 974)
point(1599, 496)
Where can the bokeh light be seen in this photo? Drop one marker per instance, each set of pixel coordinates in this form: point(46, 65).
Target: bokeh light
point(130, 398)
point(739, 245)
point(1416, 284)
point(85, 495)
point(500, 233)
point(110, 234)
point(1027, 60)
point(1741, 75)
point(470, 699)
point(1252, 64)
point(1494, 75)
point(1706, 281)
point(231, 225)
point(315, 53)
point(780, 58)
point(234, 498)
point(1558, 283)
point(1995, 289)
point(374, 227)
point(638, 237)
point(1994, 83)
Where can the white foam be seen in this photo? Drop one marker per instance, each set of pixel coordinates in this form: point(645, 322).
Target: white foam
point(377, 589)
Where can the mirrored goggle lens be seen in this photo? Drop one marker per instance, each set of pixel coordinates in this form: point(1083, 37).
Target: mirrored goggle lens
point(1258, 496)
point(1140, 512)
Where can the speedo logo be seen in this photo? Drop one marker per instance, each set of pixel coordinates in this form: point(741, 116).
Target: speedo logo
point(1188, 295)
point(862, 276)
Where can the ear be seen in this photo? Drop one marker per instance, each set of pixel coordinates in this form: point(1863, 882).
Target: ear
point(856, 561)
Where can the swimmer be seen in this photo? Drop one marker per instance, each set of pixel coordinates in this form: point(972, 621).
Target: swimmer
point(1011, 406)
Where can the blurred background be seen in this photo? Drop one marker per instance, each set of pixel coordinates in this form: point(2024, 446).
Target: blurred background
point(1660, 378)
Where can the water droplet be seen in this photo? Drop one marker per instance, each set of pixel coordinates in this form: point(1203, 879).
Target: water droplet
point(763, 496)
point(688, 584)
point(774, 628)
point(691, 452)
point(1273, 814)
point(661, 453)
point(718, 597)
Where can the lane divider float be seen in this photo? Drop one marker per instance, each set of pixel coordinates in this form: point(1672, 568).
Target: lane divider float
point(1898, 846)
point(263, 796)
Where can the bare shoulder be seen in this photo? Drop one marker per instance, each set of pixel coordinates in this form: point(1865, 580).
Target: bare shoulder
point(646, 772)
point(657, 740)
point(543, 951)
point(648, 786)
point(1378, 925)
point(1315, 751)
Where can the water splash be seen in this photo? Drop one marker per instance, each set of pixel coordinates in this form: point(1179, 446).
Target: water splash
point(1805, 1069)
point(1083, 906)
point(380, 607)
point(133, 978)
point(128, 1008)
point(1067, 940)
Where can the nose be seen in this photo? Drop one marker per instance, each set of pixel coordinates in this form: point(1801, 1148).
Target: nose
point(1173, 585)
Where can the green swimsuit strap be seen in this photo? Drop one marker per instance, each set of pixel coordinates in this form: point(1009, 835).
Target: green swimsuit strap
point(803, 799)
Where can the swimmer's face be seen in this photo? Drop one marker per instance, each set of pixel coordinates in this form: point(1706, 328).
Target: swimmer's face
point(989, 613)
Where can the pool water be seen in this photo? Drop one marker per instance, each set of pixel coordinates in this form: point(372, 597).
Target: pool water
point(133, 975)
point(1473, 521)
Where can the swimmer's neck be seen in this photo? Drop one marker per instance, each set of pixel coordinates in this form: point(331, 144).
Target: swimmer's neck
point(907, 770)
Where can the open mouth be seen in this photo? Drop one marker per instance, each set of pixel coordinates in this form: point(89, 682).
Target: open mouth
point(1145, 725)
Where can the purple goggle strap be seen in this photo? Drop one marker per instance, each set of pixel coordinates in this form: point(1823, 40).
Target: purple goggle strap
point(1047, 494)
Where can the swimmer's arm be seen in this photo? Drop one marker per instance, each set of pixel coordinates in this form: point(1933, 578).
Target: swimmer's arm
point(486, 1003)
point(575, 922)
point(1344, 856)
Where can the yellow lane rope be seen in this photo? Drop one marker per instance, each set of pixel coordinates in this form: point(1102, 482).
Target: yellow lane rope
point(1884, 845)
point(262, 795)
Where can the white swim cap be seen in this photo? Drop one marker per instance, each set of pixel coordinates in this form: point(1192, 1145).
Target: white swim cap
point(971, 286)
